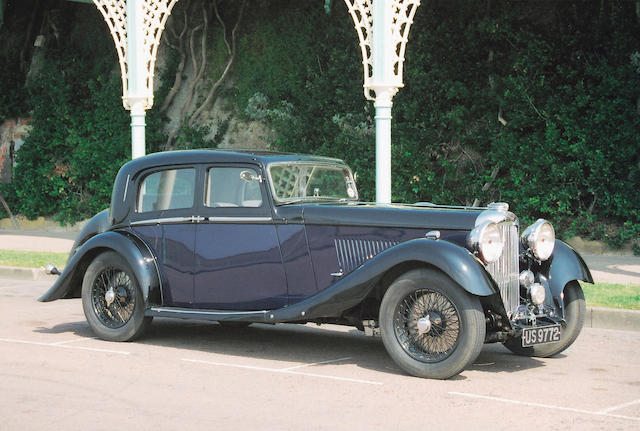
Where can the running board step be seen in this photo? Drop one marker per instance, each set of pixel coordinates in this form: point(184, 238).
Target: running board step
point(218, 315)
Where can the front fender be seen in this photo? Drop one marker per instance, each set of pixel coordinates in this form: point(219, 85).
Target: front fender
point(453, 260)
point(129, 246)
point(567, 265)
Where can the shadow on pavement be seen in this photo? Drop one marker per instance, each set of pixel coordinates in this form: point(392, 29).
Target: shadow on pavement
point(290, 343)
point(80, 329)
point(495, 358)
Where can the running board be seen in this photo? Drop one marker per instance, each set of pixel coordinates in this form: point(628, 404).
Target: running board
point(218, 315)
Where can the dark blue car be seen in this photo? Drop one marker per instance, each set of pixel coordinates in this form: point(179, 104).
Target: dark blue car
point(246, 237)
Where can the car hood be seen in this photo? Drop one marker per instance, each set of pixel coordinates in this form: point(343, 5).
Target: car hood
point(389, 215)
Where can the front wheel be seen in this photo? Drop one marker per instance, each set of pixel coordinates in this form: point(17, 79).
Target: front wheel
point(430, 326)
point(575, 311)
point(112, 300)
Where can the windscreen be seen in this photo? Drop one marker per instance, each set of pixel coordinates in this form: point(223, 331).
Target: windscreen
point(305, 181)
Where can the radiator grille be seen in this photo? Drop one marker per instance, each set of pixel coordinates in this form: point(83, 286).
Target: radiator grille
point(505, 270)
point(354, 252)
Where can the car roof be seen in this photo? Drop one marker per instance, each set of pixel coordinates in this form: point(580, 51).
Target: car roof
point(219, 156)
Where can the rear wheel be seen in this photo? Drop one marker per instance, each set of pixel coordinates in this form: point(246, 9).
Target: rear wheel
point(575, 311)
point(430, 326)
point(112, 300)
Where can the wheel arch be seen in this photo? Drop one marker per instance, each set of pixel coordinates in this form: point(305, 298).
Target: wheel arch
point(453, 261)
point(129, 246)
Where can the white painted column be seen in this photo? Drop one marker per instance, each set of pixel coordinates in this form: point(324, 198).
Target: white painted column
point(383, 149)
point(138, 124)
point(136, 76)
point(383, 31)
point(383, 77)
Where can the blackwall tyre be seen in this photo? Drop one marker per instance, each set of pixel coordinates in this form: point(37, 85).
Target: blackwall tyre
point(112, 300)
point(430, 326)
point(575, 312)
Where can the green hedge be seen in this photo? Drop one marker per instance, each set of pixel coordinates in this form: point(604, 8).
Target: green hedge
point(562, 75)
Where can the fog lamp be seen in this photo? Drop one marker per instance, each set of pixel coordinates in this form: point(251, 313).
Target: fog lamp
point(537, 292)
point(526, 278)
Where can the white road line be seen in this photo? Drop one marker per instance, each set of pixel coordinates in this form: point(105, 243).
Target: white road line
point(93, 349)
point(75, 340)
point(619, 406)
point(282, 371)
point(63, 346)
point(315, 363)
point(546, 406)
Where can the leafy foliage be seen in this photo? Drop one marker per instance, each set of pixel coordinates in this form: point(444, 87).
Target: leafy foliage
point(541, 95)
point(532, 103)
point(80, 133)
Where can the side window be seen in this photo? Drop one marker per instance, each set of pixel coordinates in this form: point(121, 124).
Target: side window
point(167, 190)
point(233, 187)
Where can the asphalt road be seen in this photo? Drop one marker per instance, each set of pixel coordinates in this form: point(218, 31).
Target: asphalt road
point(197, 375)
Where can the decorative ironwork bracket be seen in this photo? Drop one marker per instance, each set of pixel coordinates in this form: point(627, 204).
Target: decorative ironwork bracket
point(382, 54)
point(150, 17)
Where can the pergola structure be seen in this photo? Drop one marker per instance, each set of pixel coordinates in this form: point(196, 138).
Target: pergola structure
point(382, 27)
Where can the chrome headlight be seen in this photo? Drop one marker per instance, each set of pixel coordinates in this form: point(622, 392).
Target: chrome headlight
point(539, 239)
point(486, 241)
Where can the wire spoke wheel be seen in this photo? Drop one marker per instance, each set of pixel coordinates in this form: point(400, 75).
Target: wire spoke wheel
point(112, 300)
point(113, 297)
point(430, 326)
point(427, 325)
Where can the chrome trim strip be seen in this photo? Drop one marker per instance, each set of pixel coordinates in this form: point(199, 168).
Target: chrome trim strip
point(187, 311)
point(163, 220)
point(126, 187)
point(240, 219)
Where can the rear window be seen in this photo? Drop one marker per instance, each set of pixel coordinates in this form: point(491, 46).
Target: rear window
point(167, 190)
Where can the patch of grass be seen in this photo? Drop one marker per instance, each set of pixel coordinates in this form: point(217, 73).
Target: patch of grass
point(32, 259)
point(612, 295)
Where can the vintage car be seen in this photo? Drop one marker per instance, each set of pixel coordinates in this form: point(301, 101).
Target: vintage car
point(241, 237)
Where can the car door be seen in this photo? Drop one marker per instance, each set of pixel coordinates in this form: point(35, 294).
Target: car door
point(164, 219)
point(238, 264)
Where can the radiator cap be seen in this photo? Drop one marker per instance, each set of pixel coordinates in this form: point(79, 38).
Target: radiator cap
point(500, 206)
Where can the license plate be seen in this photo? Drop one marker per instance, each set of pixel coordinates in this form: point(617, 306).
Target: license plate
point(540, 335)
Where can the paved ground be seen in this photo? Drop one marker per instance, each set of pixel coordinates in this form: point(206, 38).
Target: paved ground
point(614, 269)
point(196, 375)
point(35, 243)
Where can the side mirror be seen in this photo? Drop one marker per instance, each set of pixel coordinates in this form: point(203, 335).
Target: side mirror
point(248, 176)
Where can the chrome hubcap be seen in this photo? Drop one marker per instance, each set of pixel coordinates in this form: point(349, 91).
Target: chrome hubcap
point(424, 325)
point(427, 325)
point(110, 296)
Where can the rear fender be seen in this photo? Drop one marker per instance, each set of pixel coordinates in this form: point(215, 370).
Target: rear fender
point(129, 246)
